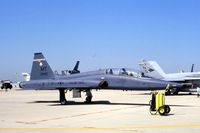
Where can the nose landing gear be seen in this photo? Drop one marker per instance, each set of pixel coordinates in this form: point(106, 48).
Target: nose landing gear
point(63, 100)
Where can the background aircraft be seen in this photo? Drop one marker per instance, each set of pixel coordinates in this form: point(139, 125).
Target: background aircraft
point(190, 79)
point(43, 78)
point(75, 70)
point(26, 76)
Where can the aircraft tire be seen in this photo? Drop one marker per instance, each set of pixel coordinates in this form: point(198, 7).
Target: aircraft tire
point(63, 102)
point(88, 99)
point(168, 92)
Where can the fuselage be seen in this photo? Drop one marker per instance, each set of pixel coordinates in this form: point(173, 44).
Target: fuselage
point(182, 76)
point(93, 80)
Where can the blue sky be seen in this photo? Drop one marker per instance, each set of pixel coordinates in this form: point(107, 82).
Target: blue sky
point(99, 33)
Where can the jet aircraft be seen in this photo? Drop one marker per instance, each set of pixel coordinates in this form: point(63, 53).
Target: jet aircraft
point(43, 78)
point(26, 76)
point(75, 70)
point(153, 70)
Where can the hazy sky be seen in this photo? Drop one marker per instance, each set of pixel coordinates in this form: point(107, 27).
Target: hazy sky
point(99, 33)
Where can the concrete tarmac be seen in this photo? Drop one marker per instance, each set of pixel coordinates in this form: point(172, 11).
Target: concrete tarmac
point(110, 111)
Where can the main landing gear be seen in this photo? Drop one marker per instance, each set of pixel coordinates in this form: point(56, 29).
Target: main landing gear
point(63, 100)
point(88, 96)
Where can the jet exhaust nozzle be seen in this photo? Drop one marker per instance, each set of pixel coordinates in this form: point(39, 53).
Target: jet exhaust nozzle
point(21, 85)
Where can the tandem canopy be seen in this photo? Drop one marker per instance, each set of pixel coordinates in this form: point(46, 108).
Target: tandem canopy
point(123, 71)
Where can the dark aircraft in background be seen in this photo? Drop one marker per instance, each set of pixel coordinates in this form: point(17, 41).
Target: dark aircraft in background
point(43, 78)
point(75, 70)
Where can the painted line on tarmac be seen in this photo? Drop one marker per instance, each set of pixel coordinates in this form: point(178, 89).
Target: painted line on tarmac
point(73, 116)
point(103, 129)
point(166, 126)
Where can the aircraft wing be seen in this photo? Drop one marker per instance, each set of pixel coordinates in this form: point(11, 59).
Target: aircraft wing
point(175, 79)
point(182, 79)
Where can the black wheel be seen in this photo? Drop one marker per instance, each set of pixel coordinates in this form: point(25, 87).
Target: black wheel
point(167, 109)
point(168, 92)
point(63, 102)
point(162, 110)
point(88, 99)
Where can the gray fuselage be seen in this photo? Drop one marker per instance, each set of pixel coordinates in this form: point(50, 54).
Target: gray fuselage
point(96, 80)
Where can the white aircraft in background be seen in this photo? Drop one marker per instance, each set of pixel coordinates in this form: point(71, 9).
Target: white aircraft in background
point(26, 76)
point(153, 70)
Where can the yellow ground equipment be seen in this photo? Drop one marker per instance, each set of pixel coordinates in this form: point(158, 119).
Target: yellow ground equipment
point(157, 103)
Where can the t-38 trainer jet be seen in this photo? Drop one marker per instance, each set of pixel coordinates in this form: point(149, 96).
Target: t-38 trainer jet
point(43, 78)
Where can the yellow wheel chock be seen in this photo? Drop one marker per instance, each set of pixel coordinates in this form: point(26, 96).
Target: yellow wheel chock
point(157, 103)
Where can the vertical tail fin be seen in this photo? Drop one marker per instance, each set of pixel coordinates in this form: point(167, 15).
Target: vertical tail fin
point(76, 66)
point(75, 70)
point(192, 69)
point(40, 68)
point(151, 69)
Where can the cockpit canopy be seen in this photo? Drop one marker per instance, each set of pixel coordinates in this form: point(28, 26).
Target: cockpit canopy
point(123, 71)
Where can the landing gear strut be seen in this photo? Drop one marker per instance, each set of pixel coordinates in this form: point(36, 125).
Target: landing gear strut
point(63, 100)
point(89, 96)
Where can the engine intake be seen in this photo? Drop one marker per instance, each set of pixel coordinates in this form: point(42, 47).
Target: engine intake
point(103, 84)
